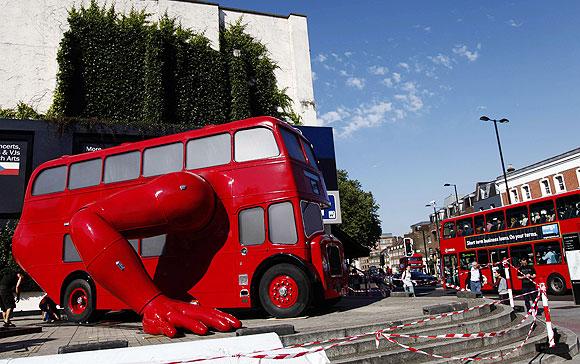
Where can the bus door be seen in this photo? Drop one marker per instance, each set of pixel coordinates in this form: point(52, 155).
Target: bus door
point(486, 270)
point(465, 260)
point(517, 253)
point(496, 256)
point(450, 269)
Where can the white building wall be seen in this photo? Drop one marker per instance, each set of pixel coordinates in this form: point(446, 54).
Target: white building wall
point(31, 31)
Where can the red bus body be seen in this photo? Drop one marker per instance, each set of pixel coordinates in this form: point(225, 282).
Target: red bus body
point(211, 265)
point(532, 229)
point(415, 261)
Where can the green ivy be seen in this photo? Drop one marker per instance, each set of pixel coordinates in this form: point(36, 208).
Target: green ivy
point(21, 111)
point(124, 68)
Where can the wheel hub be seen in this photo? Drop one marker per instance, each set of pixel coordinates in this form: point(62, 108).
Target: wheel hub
point(283, 291)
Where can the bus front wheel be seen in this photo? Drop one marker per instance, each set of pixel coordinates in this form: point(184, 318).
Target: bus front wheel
point(556, 284)
point(285, 291)
point(79, 301)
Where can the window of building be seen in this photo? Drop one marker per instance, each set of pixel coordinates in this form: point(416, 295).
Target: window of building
point(465, 260)
point(251, 226)
point(559, 183)
point(255, 143)
point(122, 167)
point(153, 246)
point(514, 195)
point(292, 145)
point(520, 252)
point(163, 159)
point(84, 174)
point(545, 187)
point(494, 221)
point(210, 151)
point(568, 207)
point(548, 253)
point(479, 224)
point(482, 257)
point(449, 230)
point(517, 217)
point(70, 253)
point(50, 180)
point(281, 223)
point(311, 218)
point(542, 212)
point(526, 194)
point(465, 227)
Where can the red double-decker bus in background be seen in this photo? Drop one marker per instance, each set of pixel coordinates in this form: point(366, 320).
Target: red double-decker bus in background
point(533, 229)
point(415, 261)
point(265, 245)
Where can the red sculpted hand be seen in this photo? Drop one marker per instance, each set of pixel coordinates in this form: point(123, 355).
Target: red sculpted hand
point(163, 315)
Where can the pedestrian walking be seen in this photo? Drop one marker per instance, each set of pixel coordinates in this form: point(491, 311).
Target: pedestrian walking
point(475, 278)
point(527, 274)
point(501, 285)
point(406, 277)
point(10, 282)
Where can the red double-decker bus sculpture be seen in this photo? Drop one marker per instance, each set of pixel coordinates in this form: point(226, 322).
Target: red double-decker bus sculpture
point(226, 216)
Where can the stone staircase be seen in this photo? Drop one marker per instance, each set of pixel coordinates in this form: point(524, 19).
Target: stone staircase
point(485, 319)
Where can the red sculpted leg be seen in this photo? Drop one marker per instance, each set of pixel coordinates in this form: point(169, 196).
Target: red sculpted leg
point(171, 202)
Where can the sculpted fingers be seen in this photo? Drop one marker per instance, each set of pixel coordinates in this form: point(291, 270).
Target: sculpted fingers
point(231, 320)
point(188, 323)
point(158, 326)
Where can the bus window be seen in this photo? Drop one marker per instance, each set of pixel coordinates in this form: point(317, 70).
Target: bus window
point(210, 151)
point(281, 223)
point(465, 260)
point(449, 230)
point(122, 167)
point(520, 252)
point(450, 269)
point(84, 174)
point(251, 226)
point(568, 207)
point(310, 154)
point(495, 221)
point(517, 217)
point(311, 218)
point(50, 180)
point(292, 145)
point(498, 255)
point(479, 224)
point(163, 159)
point(255, 143)
point(548, 253)
point(542, 212)
point(135, 244)
point(482, 257)
point(153, 246)
point(465, 227)
point(70, 253)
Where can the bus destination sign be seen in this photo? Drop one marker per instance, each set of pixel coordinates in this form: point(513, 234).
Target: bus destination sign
point(513, 236)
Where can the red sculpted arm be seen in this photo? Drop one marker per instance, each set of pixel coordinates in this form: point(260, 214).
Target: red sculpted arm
point(168, 203)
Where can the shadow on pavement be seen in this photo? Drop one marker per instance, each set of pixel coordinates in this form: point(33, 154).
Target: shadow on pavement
point(22, 344)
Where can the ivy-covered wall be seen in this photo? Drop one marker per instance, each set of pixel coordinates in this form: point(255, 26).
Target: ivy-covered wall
point(123, 67)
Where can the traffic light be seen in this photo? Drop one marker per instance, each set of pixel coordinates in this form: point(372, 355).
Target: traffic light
point(408, 243)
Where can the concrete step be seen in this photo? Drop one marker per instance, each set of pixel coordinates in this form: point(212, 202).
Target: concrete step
point(567, 347)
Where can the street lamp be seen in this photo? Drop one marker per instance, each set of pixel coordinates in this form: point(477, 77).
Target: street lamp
point(456, 197)
point(501, 121)
point(433, 204)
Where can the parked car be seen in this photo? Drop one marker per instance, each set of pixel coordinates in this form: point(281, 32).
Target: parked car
point(419, 279)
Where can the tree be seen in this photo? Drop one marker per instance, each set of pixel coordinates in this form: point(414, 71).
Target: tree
point(359, 211)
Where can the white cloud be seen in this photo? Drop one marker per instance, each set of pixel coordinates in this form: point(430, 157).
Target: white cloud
point(348, 53)
point(388, 82)
point(427, 29)
point(404, 65)
point(378, 70)
point(344, 73)
point(514, 23)
point(314, 76)
point(442, 60)
point(333, 116)
point(367, 116)
point(411, 101)
point(356, 82)
point(463, 51)
point(409, 86)
point(396, 77)
point(321, 58)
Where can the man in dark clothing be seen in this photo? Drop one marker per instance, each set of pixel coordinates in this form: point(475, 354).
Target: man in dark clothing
point(10, 282)
point(527, 274)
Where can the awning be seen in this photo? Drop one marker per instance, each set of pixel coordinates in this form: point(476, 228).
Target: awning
point(352, 248)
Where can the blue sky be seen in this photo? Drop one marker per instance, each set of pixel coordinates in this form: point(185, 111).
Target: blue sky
point(404, 83)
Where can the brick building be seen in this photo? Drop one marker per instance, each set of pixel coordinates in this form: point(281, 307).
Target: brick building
point(551, 176)
point(374, 258)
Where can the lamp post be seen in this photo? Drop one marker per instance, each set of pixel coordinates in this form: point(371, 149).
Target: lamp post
point(501, 121)
point(456, 197)
point(433, 204)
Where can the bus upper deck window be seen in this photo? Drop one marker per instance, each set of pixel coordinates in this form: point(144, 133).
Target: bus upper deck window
point(495, 221)
point(292, 145)
point(281, 223)
point(310, 154)
point(449, 230)
point(255, 143)
point(517, 217)
point(50, 180)
point(568, 207)
point(251, 226)
point(163, 159)
point(311, 218)
point(84, 174)
point(479, 224)
point(122, 167)
point(542, 212)
point(210, 151)
point(465, 227)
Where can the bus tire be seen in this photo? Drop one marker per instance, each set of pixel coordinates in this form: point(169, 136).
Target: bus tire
point(556, 284)
point(79, 301)
point(285, 291)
